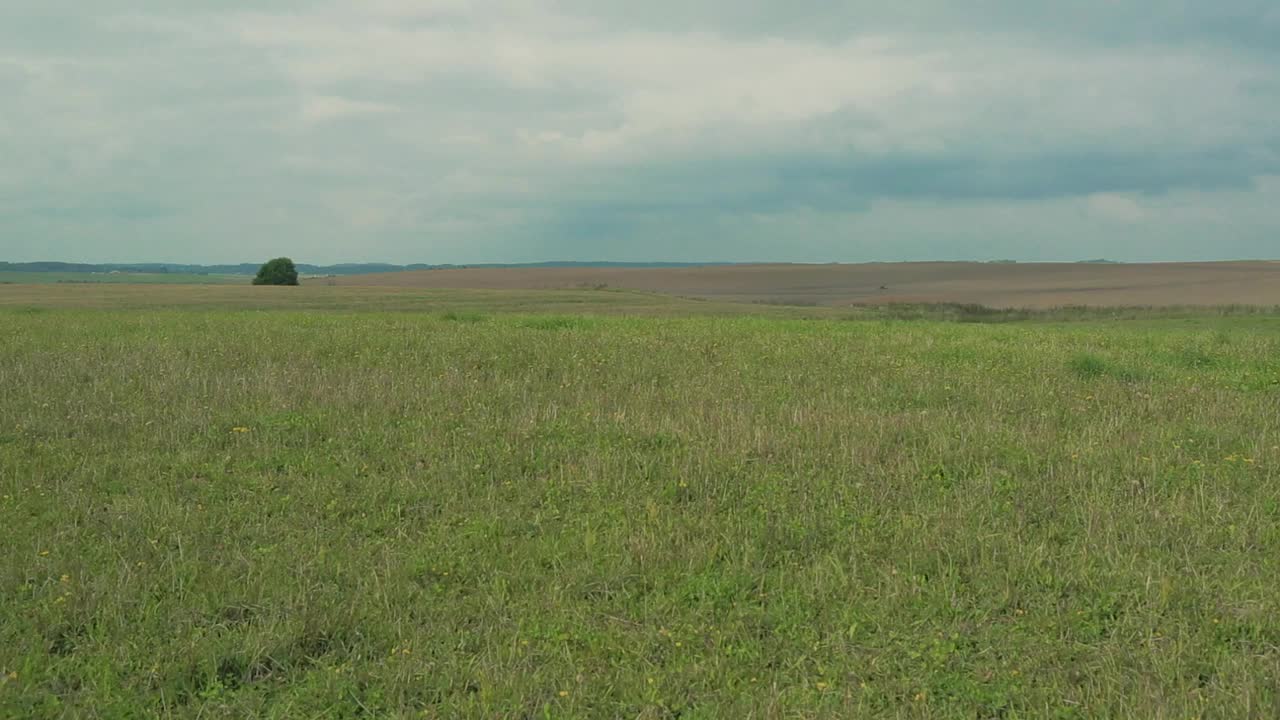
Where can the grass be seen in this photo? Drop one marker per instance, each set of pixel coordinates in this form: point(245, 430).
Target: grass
point(429, 506)
point(9, 277)
point(320, 298)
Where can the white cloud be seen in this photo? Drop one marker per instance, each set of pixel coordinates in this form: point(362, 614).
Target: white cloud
point(321, 108)
point(1114, 206)
point(402, 129)
point(671, 90)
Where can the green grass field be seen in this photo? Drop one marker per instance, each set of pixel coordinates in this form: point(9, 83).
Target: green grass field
point(453, 507)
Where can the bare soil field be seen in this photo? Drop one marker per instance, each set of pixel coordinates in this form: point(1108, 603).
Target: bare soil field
point(1029, 285)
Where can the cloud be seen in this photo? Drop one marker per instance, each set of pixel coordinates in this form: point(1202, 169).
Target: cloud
point(526, 129)
point(1112, 206)
point(322, 108)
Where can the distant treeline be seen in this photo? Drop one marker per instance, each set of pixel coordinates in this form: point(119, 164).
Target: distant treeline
point(305, 269)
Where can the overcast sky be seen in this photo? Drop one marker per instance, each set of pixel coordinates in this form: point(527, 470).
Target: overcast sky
point(741, 130)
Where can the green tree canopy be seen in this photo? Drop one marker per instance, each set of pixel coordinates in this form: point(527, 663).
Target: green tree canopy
point(280, 271)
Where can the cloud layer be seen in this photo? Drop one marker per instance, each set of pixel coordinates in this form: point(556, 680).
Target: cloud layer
point(520, 130)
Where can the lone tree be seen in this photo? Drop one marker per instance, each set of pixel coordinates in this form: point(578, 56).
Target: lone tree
point(280, 271)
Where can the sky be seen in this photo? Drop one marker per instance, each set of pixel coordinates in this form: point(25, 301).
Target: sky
point(445, 131)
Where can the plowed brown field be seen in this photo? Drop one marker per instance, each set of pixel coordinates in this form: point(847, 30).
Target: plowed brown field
point(1031, 285)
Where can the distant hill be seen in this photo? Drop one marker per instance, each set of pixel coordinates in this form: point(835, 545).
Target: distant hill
point(305, 269)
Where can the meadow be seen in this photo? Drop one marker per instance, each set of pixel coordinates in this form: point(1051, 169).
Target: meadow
point(10, 277)
point(1004, 285)
point(346, 504)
